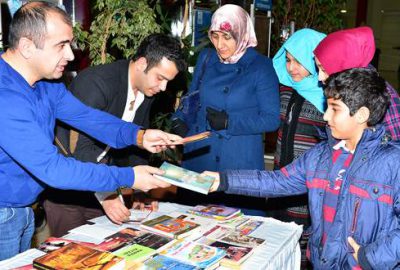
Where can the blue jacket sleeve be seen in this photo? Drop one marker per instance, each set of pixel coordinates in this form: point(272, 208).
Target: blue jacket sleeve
point(384, 253)
point(288, 181)
point(266, 118)
point(98, 124)
point(30, 146)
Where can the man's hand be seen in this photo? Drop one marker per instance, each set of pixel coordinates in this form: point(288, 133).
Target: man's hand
point(214, 175)
point(140, 205)
point(355, 246)
point(116, 210)
point(155, 140)
point(142, 202)
point(144, 179)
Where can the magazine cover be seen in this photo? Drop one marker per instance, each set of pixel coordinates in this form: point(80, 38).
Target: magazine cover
point(196, 254)
point(169, 226)
point(119, 240)
point(186, 179)
point(136, 253)
point(236, 238)
point(161, 262)
point(250, 226)
point(220, 212)
point(235, 255)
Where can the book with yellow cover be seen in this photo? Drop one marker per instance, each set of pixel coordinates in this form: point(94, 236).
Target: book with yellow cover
point(75, 256)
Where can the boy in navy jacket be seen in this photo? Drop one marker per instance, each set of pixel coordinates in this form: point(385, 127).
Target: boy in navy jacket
point(352, 179)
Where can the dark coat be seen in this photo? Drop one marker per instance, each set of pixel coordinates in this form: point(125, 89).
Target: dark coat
point(105, 87)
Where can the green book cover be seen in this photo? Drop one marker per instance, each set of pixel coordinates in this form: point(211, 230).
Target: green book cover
point(135, 252)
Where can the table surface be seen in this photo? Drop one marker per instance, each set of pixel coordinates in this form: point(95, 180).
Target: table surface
point(280, 251)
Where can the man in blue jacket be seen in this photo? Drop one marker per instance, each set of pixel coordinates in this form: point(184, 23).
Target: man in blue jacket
point(352, 179)
point(30, 102)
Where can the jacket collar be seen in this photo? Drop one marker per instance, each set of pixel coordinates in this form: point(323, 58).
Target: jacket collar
point(371, 137)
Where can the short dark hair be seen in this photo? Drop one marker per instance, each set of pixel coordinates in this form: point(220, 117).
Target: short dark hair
point(156, 46)
point(30, 21)
point(360, 87)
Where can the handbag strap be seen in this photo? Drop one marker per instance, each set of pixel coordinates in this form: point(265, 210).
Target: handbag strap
point(203, 68)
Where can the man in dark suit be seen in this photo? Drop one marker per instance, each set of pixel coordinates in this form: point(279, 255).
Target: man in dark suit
point(125, 89)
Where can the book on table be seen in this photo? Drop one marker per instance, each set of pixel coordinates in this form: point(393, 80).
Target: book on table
point(144, 246)
point(54, 243)
point(184, 178)
point(75, 256)
point(235, 255)
point(119, 239)
point(197, 254)
point(220, 212)
point(160, 262)
point(170, 226)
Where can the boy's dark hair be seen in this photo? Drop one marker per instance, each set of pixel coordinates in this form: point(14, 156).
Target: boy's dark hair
point(156, 46)
point(360, 87)
point(29, 21)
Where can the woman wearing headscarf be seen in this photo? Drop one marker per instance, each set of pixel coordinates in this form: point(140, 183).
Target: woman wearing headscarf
point(355, 48)
point(239, 98)
point(301, 112)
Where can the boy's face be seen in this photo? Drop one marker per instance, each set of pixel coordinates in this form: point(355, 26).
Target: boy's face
point(342, 125)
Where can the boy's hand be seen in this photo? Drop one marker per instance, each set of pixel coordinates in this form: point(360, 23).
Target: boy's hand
point(355, 247)
point(215, 175)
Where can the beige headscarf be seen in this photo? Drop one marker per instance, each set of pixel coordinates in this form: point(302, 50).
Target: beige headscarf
point(234, 20)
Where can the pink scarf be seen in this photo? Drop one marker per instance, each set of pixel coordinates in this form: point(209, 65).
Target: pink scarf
point(234, 20)
point(345, 49)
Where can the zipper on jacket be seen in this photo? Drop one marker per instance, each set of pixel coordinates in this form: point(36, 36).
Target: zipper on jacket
point(355, 215)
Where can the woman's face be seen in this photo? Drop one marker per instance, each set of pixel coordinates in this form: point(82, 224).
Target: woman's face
point(224, 43)
point(322, 75)
point(295, 69)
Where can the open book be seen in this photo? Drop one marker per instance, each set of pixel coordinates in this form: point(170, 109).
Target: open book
point(185, 178)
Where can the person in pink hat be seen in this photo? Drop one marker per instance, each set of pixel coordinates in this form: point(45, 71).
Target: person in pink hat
point(355, 48)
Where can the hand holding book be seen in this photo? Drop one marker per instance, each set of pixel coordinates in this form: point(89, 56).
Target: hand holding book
point(185, 178)
point(190, 139)
point(214, 175)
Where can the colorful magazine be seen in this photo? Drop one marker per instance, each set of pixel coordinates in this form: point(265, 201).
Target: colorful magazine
point(161, 262)
point(170, 227)
point(185, 178)
point(235, 255)
point(220, 212)
point(196, 254)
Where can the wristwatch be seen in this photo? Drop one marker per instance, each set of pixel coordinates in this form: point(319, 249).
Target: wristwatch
point(139, 137)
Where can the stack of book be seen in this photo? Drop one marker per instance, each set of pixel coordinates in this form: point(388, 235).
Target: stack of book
point(201, 237)
point(238, 247)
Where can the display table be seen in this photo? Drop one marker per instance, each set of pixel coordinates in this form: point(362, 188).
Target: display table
point(280, 251)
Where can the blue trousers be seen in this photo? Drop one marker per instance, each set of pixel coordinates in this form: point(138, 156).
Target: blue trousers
point(17, 226)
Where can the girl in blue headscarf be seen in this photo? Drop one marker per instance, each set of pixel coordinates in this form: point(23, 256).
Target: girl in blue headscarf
point(301, 112)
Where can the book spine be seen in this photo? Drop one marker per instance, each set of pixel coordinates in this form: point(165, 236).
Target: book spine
point(40, 266)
